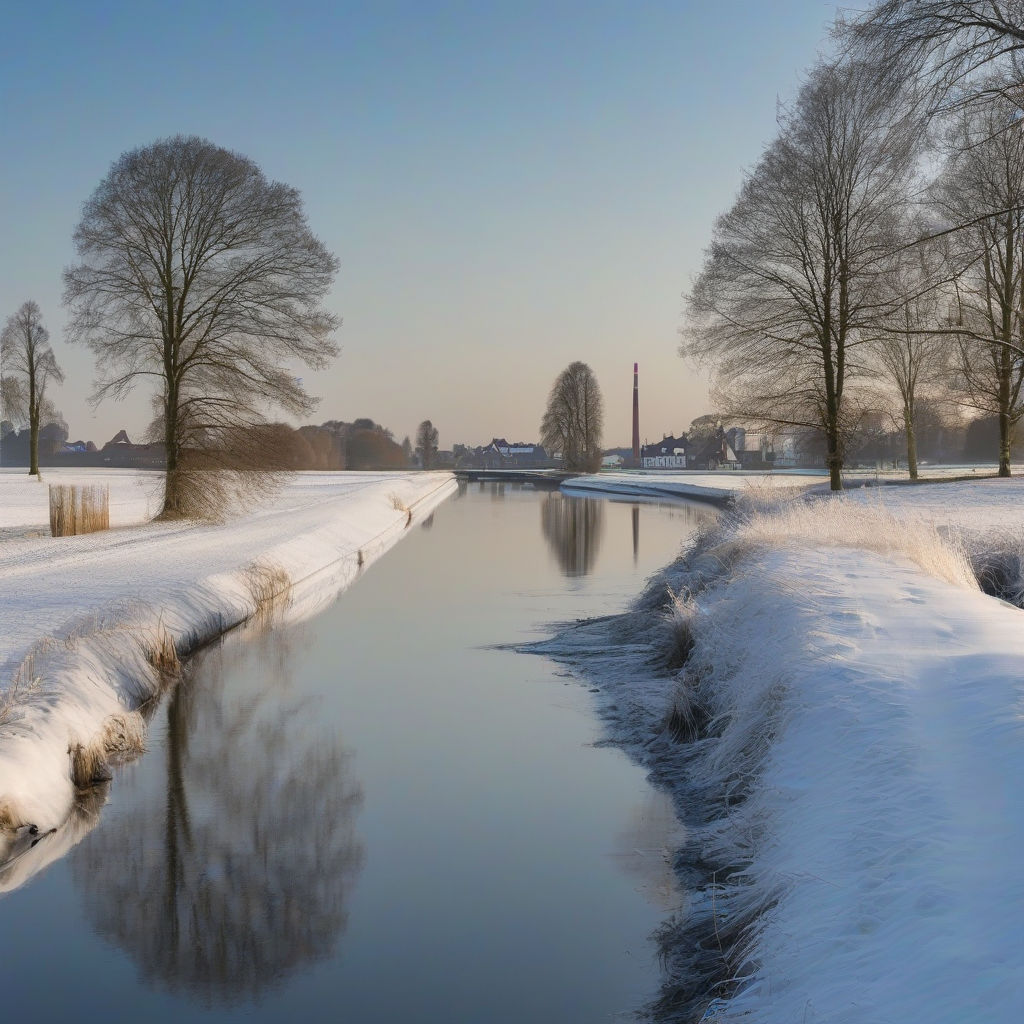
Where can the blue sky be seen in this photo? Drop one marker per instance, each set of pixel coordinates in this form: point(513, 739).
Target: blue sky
point(508, 186)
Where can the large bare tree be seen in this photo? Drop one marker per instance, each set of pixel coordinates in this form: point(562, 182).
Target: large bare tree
point(981, 189)
point(28, 367)
point(199, 274)
point(574, 419)
point(790, 280)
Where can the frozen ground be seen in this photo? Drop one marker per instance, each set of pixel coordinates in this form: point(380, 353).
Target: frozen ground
point(838, 711)
point(85, 618)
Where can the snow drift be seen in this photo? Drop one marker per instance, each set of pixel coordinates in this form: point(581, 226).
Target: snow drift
point(838, 711)
point(94, 625)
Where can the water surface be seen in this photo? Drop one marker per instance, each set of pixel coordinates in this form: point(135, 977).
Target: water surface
point(376, 816)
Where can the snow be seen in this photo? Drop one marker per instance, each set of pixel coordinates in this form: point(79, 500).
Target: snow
point(83, 616)
point(717, 487)
point(889, 797)
point(25, 504)
point(845, 744)
point(980, 507)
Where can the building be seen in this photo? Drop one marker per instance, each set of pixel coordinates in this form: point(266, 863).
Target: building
point(713, 452)
point(500, 454)
point(668, 453)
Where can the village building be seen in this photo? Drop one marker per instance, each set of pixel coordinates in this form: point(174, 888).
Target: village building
point(668, 453)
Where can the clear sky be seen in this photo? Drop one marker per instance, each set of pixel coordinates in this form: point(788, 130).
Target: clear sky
point(508, 186)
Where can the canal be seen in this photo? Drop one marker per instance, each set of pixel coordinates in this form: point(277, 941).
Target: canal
point(378, 815)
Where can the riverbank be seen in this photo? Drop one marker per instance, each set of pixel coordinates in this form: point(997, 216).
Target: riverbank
point(834, 704)
point(93, 624)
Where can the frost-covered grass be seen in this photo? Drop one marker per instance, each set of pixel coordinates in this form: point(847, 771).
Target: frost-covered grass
point(836, 708)
point(94, 625)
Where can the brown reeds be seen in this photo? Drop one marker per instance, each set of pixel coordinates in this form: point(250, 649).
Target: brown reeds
point(76, 509)
point(270, 587)
point(122, 737)
point(162, 653)
point(9, 819)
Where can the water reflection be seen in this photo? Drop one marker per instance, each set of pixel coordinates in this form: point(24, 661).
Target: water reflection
point(574, 528)
point(636, 533)
point(239, 873)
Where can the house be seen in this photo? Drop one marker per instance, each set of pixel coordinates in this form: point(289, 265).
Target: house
point(668, 453)
point(499, 454)
point(713, 452)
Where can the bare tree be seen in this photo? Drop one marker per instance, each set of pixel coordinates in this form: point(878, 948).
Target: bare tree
point(574, 420)
point(426, 443)
point(789, 281)
point(946, 41)
point(983, 173)
point(911, 345)
point(199, 274)
point(29, 367)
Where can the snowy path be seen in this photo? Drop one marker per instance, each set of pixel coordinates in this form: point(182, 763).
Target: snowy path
point(88, 612)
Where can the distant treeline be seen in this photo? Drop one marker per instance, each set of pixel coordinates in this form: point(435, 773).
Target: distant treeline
point(361, 444)
point(334, 445)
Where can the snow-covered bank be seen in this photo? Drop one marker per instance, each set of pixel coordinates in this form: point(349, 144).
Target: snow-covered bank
point(717, 488)
point(86, 619)
point(837, 709)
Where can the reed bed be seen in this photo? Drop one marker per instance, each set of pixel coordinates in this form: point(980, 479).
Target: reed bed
point(76, 509)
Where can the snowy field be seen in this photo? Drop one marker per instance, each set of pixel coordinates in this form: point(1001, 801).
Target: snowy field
point(838, 710)
point(24, 500)
point(85, 619)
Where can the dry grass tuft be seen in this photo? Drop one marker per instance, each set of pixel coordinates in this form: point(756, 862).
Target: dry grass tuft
point(123, 734)
point(24, 681)
point(10, 820)
point(270, 587)
point(89, 765)
point(78, 509)
point(162, 653)
point(400, 506)
point(122, 737)
point(837, 522)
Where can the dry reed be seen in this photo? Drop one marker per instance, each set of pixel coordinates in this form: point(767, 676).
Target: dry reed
point(270, 587)
point(162, 652)
point(9, 819)
point(122, 737)
point(78, 509)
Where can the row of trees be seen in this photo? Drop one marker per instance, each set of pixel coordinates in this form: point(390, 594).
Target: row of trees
point(874, 256)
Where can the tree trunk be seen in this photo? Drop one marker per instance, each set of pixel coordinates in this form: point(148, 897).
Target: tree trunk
point(908, 422)
point(172, 475)
point(1004, 443)
point(834, 458)
point(33, 423)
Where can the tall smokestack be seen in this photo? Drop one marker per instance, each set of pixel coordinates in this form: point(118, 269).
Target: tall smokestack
point(636, 414)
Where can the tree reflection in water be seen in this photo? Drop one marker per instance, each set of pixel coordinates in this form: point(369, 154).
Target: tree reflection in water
point(239, 872)
point(574, 528)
